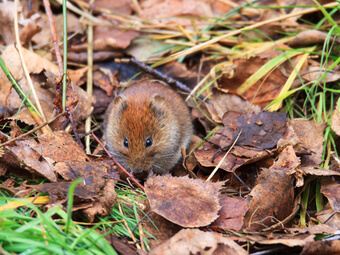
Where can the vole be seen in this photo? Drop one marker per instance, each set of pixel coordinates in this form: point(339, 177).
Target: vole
point(146, 126)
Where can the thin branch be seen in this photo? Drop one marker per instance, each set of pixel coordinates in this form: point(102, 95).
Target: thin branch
point(89, 84)
point(116, 162)
point(54, 35)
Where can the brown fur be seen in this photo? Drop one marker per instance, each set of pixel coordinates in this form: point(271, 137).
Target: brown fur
point(148, 109)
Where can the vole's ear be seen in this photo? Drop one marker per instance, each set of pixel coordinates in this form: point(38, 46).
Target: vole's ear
point(119, 99)
point(158, 100)
point(120, 103)
point(158, 104)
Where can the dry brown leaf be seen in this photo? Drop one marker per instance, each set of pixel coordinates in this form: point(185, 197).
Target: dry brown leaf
point(261, 131)
point(183, 201)
point(59, 146)
point(231, 215)
point(6, 21)
point(271, 200)
point(318, 171)
point(321, 247)
point(222, 103)
point(56, 152)
point(110, 38)
point(336, 120)
point(290, 240)
point(287, 161)
point(182, 73)
point(23, 155)
point(44, 82)
point(309, 37)
point(106, 201)
point(329, 217)
point(44, 37)
point(263, 91)
point(331, 189)
point(205, 153)
point(31, 29)
point(93, 173)
point(194, 241)
point(121, 245)
point(121, 7)
point(311, 136)
point(167, 12)
point(159, 227)
point(314, 229)
point(9, 185)
point(100, 56)
point(59, 191)
point(147, 49)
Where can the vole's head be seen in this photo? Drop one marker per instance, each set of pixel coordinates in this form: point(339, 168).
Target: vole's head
point(142, 134)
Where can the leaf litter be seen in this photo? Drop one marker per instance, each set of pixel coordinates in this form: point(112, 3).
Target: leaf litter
point(256, 193)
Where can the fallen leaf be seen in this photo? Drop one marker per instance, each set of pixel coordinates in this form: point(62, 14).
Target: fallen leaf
point(321, 247)
point(287, 161)
point(159, 227)
point(58, 191)
point(311, 136)
point(122, 6)
point(45, 73)
point(222, 103)
point(6, 21)
point(107, 38)
point(44, 37)
point(263, 91)
point(336, 119)
point(291, 240)
point(329, 217)
point(313, 73)
point(24, 156)
point(271, 200)
point(314, 229)
point(331, 190)
point(147, 50)
point(194, 241)
point(261, 131)
point(165, 12)
point(183, 201)
point(231, 215)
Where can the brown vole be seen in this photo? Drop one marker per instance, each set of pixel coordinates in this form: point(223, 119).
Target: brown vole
point(146, 126)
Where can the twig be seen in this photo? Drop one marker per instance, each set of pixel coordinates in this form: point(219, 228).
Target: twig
point(288, 218)
point(89, 83)
point(54, 35)
point(64, 54)
point(116, 162)
point(159, 75)
point(241, 181)
point(31, 131)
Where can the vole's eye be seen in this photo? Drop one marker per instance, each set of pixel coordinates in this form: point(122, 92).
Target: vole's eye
point(148, 142)
point(126, 143)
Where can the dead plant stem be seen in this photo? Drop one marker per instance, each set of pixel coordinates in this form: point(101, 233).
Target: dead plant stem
point(24, 67)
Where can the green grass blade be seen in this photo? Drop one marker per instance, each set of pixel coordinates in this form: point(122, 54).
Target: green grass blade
point(18, 89)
